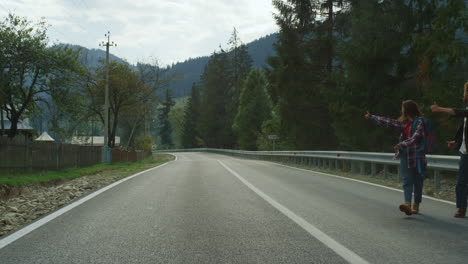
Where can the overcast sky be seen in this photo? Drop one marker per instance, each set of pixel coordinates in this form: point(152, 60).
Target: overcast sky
point(168, 30)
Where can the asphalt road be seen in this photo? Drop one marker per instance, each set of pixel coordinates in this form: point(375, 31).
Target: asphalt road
point(207, 208)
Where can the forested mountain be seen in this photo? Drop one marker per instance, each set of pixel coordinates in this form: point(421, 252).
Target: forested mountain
point(190, 70)
point(91, 57)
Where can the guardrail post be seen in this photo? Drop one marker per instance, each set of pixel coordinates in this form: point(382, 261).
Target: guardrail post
point(373, 169)
point(437, 180)
point(330, 164)
point(363, 168)
point(337, 164)
point(353, 167)
point(385, 171)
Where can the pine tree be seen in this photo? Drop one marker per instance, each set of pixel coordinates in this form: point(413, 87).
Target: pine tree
point(374, 73)
point(254, 109)
point(165, 129)
point(213, 125)
point(240, 66)
point(191, 117)
point(296, 81)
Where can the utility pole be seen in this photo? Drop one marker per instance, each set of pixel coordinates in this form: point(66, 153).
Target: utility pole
point(106, 150)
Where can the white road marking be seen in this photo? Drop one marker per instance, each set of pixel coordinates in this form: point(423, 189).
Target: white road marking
point(346, 178)
point(360, 181)
point(31, 227)
point(339, 249)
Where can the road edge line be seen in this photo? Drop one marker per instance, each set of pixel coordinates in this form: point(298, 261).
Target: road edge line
point(361, 181)
point(349, 179)
point(42, 221)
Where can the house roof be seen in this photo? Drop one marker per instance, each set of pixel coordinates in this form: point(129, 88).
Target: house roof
point(21, 125)
point(94, 140)
point(44, 137)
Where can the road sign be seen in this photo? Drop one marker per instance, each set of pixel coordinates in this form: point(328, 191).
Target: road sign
point(273, 137)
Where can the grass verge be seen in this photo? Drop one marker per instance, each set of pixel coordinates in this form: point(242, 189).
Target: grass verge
point(121, 169)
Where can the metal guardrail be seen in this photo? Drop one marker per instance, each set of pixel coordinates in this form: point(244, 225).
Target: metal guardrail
point(334, 159)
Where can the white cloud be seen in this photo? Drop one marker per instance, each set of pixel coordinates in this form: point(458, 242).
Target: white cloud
point(170, 30)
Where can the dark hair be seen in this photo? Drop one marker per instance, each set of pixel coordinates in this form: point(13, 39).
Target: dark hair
point(410, 110)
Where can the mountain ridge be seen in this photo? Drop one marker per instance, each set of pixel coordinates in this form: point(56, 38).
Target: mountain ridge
point(190, 69)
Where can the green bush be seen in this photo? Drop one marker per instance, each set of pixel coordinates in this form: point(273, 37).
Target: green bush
point(144, 143)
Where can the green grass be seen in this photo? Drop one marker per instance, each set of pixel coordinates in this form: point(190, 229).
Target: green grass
point(121, 169)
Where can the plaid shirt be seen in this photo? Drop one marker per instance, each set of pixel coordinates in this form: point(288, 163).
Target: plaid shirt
point(414, 144)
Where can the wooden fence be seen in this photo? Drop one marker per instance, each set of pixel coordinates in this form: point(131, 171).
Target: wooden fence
point(128, 156)
point(21, 154)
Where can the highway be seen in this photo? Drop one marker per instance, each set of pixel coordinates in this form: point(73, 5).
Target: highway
point(209, 208)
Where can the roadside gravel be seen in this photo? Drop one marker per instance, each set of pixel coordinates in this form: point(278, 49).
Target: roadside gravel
point(22, 205)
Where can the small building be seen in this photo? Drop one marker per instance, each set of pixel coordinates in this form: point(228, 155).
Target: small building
point(92, 140)
point(45, 137)
point(23, 127)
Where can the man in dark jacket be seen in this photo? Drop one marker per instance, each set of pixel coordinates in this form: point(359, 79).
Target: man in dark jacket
point(460, 142)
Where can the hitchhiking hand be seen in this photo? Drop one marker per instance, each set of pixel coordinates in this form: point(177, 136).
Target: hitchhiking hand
point(435, 107)
point(367, 115)
point(451, 144)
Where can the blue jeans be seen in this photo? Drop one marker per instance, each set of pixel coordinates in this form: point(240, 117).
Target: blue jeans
point(412, 180)
point(462, 182)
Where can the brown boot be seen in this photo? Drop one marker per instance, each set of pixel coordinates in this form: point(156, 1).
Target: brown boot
point(460, 213)
point(406, 208)
point(415, 208)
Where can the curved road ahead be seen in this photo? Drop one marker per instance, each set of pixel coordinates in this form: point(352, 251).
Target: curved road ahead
point(207, 208)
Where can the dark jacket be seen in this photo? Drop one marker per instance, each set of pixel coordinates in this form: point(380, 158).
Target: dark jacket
point(461, 113)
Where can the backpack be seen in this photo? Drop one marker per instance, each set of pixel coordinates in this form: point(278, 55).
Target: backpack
point(429, 140)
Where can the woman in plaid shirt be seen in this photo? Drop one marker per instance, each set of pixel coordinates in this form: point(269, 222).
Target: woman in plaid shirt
point(410, 151)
